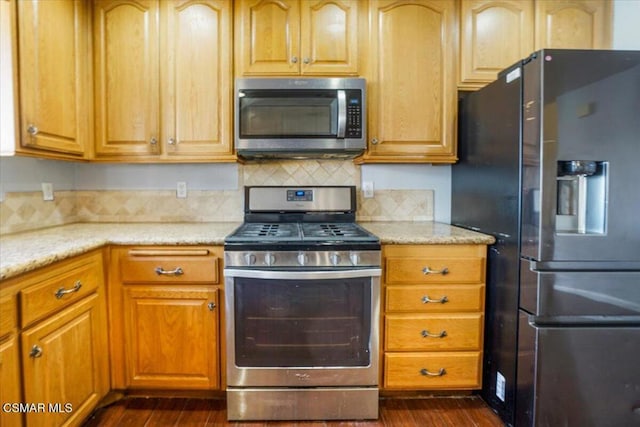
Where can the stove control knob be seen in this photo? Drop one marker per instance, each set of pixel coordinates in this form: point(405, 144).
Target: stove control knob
point(335, 258)
point(355, 258)
point(250, 258)
point(269, 259)
point(302, 258)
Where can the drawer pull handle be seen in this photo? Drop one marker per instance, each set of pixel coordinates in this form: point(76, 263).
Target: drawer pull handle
point(62, 291)
point(427, 270)
point(36, 351)
point(427, 334)
point(426, 299)
point(178, 271)
point(425, 372)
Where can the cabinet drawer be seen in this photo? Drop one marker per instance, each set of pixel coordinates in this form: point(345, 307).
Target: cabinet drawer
point(460, 370)
point(169, 266)
point(434, 298)
point(434, 270)
point(58, 291)
point(8, 320)
point(438, 332)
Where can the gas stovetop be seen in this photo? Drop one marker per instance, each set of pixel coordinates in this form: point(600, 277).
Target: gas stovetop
point(300, 232)
point(301, 227)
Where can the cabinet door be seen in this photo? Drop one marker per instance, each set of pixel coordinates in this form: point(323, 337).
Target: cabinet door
point(329, 37)
point(126, 77)
point(171, 336)
point(493, 35)
point(267, 37)
point(196, 78)
point(54, 79)
point(571, 24)
point(412, 81)
point(64, 361)
point(10, 380)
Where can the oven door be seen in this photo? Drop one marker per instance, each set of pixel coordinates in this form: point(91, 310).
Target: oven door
point(302, 328)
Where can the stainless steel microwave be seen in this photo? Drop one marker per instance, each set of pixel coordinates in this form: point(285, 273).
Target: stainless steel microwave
point(300, 117)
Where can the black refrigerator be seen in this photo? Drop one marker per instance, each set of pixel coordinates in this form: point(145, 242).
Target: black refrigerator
point(550, 166)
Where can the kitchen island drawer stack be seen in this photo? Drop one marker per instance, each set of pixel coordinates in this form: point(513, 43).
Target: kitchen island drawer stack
point(433, 316)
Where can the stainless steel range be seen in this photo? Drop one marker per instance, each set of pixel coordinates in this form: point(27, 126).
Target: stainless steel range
point(302, 283)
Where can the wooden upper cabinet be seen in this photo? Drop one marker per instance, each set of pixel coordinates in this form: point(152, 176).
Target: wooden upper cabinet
point(581, 24)
point(494, 35)
point(293, 37)
point(329, 37)
point(163, 80)
point(411, 80)
point(54, 77)
point(127, 98)
point(196, 78)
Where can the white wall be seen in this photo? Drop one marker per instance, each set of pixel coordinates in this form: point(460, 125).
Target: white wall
point(23, 174)
point(626, 24)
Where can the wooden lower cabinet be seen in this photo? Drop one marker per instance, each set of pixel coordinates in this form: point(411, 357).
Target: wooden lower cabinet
point(170, 336)
point(54, 353)
point(433, 316)
point(433, 371)
point(64, 360)
point(10, 392)
point(165, 317)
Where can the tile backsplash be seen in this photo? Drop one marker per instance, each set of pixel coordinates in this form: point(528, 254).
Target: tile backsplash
point(22, 211)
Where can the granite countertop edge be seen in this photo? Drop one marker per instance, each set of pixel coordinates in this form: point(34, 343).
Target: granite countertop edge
point(30, 250)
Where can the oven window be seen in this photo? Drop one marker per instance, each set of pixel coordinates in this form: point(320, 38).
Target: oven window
point(296, 323)
point(273, 114)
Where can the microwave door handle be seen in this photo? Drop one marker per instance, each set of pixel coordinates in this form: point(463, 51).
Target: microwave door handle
point(342, 113)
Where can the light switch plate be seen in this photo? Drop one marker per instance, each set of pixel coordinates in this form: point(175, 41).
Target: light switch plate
point(367, 189)
point(181, 190)
point(47, 191)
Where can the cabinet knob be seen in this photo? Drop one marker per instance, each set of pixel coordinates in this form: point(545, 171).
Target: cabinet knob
point(306, 60)
point(36, 351)
point(153, 141)
point(211, 306)
point(294, 59)
point(32, 130)
point(172, 141)
point(374, 141)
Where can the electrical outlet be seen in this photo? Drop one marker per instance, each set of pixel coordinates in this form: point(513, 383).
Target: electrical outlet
point(47, 191)
point(367, 189)
point(181, 190)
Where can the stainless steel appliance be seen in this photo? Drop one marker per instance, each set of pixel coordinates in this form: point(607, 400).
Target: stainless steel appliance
point(300, 117)
point(548, 165)
point(302, 284)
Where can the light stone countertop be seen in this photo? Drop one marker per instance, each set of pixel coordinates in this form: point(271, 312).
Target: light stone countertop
point(424, 233)
point(23, 252)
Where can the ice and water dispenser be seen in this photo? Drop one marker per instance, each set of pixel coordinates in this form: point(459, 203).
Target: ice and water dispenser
point(582, 197)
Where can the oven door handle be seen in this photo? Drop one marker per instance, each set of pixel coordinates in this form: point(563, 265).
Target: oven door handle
point(302, 275)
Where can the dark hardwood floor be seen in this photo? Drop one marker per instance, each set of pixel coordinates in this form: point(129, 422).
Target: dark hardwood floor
point(436, 411)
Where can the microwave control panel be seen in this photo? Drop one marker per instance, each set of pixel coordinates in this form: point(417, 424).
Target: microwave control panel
point(354, 114)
